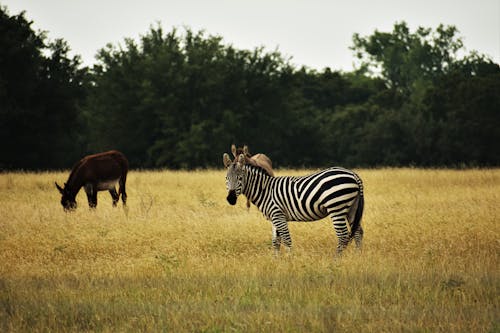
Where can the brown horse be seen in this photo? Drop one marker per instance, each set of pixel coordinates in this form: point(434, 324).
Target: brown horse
point(98, 172)
point(260, 160)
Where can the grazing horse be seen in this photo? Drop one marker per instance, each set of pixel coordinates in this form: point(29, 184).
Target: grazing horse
point(98, 172)
point(260, 160)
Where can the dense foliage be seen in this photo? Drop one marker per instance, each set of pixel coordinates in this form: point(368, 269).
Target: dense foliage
point(41, 93)
point(179, 99)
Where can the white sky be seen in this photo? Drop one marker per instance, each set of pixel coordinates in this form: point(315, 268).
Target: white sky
point(314, 33)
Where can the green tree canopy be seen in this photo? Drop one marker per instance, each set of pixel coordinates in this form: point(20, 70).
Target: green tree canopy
point(41, 90)
point(179, 99)
point(406, 59)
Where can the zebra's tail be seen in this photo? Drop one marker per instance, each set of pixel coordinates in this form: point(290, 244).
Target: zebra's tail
point(359, 208)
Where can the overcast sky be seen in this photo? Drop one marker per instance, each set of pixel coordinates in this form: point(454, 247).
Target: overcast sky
point(314, 33)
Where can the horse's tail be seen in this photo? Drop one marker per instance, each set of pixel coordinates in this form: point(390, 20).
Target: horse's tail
point(122, 160)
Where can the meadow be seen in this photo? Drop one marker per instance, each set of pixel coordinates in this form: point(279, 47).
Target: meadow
point(181, 259)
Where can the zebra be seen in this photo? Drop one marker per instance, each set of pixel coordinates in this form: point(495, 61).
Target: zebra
point(335, 191)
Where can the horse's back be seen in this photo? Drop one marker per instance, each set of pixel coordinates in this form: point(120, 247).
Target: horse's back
point(264, 162)
point(103, 166)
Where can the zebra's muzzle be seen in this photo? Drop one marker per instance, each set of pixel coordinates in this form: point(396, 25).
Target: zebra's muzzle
point(231, 197)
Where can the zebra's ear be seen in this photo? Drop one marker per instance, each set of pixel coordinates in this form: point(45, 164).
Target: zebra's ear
point(245, 150)
point(226, 160)
point(233, 149)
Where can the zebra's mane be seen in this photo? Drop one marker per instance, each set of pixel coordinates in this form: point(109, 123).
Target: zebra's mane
point(258, 169)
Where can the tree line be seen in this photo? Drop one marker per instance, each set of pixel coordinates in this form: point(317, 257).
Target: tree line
point(179, 99)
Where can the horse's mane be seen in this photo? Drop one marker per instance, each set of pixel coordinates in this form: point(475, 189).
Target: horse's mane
point(258, 168)
point(73, 170)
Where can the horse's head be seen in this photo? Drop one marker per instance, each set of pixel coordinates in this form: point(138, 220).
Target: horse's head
point(68, 200)
point(237, 151)
point(235, 177)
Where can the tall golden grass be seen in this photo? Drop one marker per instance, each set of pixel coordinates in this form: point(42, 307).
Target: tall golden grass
point(182, 260)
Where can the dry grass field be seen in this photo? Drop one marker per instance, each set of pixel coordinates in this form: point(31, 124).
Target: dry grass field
point(183, 260)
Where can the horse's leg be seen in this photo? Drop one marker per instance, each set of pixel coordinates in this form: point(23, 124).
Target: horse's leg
point(121, 189)
point(91, 191)
point(114, 195)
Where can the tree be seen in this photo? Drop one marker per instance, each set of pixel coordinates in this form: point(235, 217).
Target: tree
point(406, 60)
point(438, 109)
point(462, 116)
point(180, 99)
point(41, 90)
point(176, 99)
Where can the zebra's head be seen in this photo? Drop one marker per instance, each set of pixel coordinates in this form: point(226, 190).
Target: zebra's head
point(235, 177)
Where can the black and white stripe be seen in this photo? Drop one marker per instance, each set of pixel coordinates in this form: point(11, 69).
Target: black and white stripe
point(337, 192)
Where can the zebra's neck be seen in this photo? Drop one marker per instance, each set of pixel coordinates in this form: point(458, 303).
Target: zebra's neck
point(257, 180)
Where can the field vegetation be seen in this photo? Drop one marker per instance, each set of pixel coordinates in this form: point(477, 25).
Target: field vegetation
point(180, 259)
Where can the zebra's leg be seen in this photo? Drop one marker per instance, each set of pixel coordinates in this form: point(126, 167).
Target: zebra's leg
point(276, 240)
point(281, 226)
point(342, 232)
point(358, 237)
